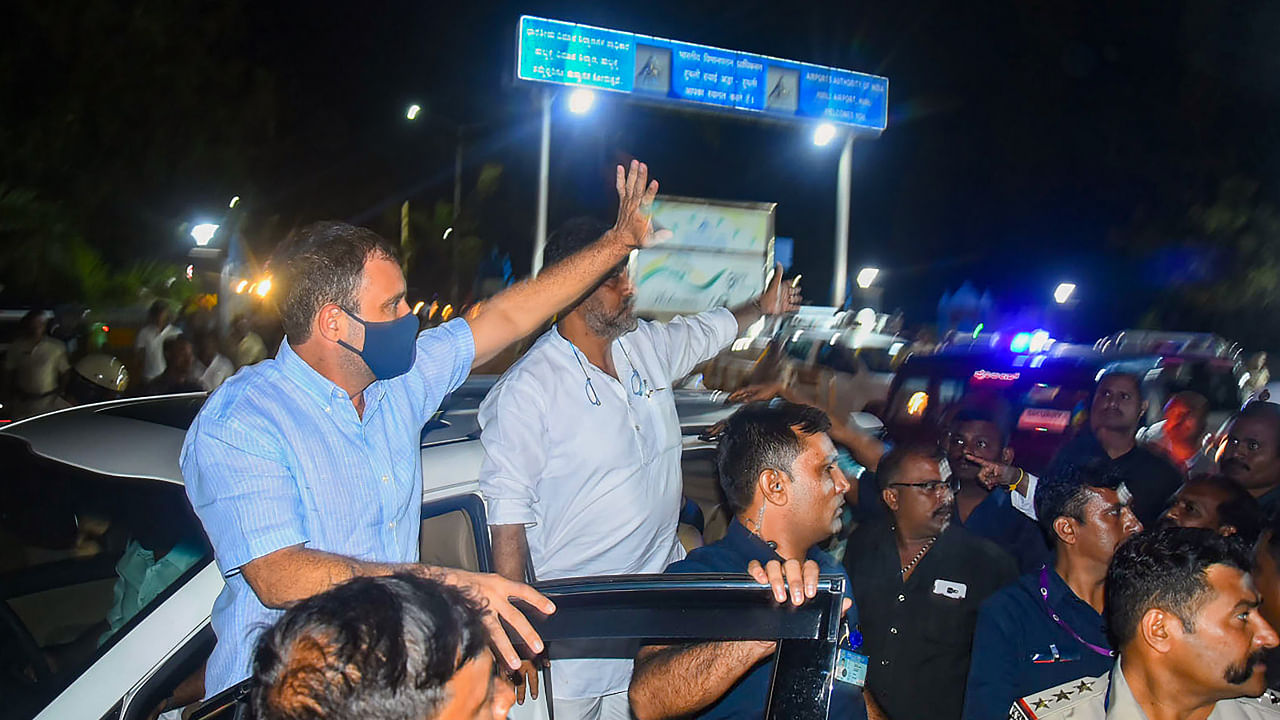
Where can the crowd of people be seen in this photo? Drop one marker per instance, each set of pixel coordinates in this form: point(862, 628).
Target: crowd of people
point(975, 589)
point(42, 373)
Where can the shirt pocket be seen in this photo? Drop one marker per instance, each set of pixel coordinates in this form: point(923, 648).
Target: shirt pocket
point(947, 622)
point(663, 435)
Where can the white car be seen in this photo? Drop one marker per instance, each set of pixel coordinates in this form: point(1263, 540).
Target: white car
point(107, 579)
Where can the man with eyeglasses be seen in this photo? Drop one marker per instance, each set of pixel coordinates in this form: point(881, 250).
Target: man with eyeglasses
point(918, 580)
point(582, 454)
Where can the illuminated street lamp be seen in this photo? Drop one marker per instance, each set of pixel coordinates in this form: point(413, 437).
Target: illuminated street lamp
point(824, 134)
point(203, 233)
point(867, 276)
point(581, 100)
point(1064, 292)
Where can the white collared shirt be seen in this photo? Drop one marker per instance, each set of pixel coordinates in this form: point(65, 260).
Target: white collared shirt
point(597, 486)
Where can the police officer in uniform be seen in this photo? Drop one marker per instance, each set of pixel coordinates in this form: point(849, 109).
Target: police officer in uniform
point(1183, 610)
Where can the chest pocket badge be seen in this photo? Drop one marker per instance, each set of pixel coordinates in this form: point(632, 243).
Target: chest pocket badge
point(949, 589)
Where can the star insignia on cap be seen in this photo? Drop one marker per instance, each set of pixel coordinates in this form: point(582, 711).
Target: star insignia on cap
point(1084, 687)
point(1062, 696)
point(1040, 704)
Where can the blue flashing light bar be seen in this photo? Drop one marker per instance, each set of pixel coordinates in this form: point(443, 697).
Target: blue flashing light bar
point(652, 68)
point(1021, 342)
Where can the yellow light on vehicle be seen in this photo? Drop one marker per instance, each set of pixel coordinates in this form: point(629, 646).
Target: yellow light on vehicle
point(418, 307)
point(431, 311)
point(264, 287)
point(917, 403)
point(241, 286)
point(446, 312)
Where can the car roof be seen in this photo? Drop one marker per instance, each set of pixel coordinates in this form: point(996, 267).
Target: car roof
point(137, 437)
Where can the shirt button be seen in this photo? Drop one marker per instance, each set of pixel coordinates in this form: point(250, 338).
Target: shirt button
point(392, 525)
point(902, 598)
point(637, 428)
point(385, 478)
point(893, 630)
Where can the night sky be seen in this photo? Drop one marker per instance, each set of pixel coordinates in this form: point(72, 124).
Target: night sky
point(1024, 137)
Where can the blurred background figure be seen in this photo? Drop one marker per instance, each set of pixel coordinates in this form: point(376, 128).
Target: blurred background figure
point(247, 346)
point(178, 375)
point(35, 369)
point(1259, 375)
point(211, 367)
point(1181, 433)
point(149, 347)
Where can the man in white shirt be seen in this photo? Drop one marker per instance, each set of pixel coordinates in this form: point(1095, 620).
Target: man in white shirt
point(582, 451)
point(149, 345)
point(35, 369)
point(211, 368)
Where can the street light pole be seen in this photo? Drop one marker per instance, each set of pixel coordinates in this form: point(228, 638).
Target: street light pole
point(457, 208)
point(544, 181)
point(844, 183)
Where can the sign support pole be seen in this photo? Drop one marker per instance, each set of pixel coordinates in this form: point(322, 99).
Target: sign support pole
point(544, 181)
point(844, 183)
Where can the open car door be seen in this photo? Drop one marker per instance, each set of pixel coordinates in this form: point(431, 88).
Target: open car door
point(672, 609)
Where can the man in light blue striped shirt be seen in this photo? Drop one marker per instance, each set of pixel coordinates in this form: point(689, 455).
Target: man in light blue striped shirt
point(306, 471)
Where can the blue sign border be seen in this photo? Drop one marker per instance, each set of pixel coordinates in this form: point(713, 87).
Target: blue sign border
point(658, 69)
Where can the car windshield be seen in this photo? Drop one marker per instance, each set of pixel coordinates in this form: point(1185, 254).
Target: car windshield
point(83, 558)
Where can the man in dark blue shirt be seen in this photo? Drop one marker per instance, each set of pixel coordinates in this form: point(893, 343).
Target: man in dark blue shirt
point(778, 469)
point(1046, 628)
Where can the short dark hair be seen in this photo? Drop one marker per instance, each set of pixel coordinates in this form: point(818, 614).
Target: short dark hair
point(894, 462)
point(761, 436)
point(30, 318)
point(1065, 493)
point(1132, 377)
point(984, 412)
point(1240, 510)
point(380, 647)
point(1259, 409)
point(171, 344)
point(157, 308)
point(323, 263)
point(573, 235)
point(1167, 569)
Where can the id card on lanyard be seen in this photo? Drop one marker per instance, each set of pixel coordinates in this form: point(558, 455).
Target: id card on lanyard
point(851, 666)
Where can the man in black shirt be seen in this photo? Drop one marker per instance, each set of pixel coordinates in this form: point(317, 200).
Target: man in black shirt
point(1114, 416)
point(918, 581)
point(1251, 456)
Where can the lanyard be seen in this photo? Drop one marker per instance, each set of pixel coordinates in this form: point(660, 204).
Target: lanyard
point(1044, 598)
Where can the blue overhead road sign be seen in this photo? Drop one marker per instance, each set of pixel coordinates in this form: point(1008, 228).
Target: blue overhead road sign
point(653, 68)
